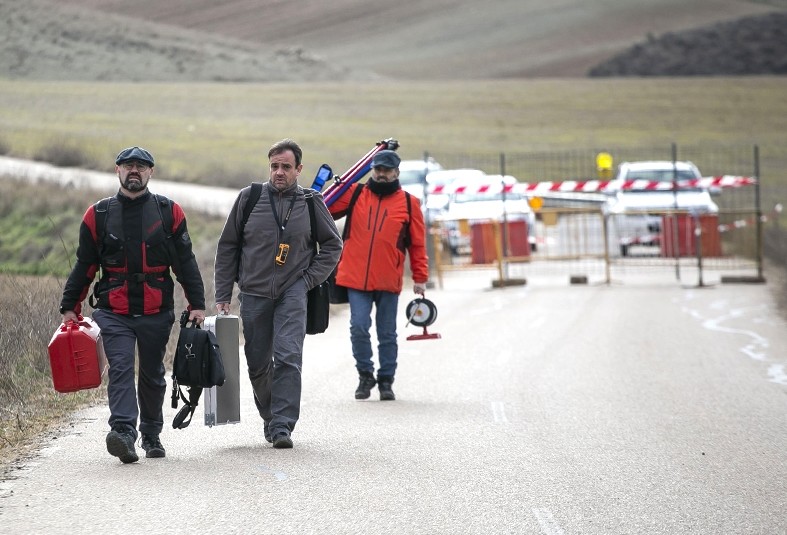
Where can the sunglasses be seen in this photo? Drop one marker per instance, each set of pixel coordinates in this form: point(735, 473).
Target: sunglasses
point(131, 165)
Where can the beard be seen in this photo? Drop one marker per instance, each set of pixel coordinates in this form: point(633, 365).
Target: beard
point(133, 185)
point(383, 188)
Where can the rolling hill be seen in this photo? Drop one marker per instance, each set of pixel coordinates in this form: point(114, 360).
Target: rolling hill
point(273, 40)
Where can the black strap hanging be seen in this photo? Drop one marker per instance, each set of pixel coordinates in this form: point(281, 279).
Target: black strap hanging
point(281, 224)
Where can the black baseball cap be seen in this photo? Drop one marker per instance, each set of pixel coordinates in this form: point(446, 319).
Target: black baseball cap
point(134, 153)
point(386, 158)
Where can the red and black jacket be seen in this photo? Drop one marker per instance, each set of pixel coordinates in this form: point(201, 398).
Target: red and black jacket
point(135, 253)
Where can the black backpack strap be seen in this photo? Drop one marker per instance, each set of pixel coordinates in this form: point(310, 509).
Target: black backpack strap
point(254, 196)
point(310, 202)
point(356, 193)
point(164, 206)
point(407, 240)
point(100, 210)
point(101, 213)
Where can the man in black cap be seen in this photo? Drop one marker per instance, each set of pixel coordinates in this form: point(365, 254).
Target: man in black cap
point(384, 223)
point(136, 239)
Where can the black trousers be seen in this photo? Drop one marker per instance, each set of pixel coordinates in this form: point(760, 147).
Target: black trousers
point(122, 337)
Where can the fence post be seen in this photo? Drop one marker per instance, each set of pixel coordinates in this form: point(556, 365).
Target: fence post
point(607, 260)
point(698, 245)
point(758, 211)
point(505, 214)
point(431, 251)
point(675, 233)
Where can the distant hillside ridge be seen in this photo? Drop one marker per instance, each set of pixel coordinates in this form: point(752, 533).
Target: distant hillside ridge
point(41, 40)
point(453, 40)
point(755, 45)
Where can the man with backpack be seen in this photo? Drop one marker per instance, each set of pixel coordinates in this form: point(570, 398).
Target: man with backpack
point(136, 239)
point(383, 223)
point(267, 247)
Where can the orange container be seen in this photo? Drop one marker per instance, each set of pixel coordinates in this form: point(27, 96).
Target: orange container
point(76, 356)
point(483, 249)
point(517, 238)
point(683, 242)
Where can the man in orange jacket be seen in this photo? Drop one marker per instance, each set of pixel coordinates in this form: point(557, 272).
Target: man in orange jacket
point(384, 224)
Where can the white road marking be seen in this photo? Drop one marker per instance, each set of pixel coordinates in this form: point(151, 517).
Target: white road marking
point(499, 412)
point(547, 522)
point(778, 373)
point(280, 476)
point(757, 346)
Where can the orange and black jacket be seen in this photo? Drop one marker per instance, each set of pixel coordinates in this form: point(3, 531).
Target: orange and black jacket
point(135, 254)
point(381, 231)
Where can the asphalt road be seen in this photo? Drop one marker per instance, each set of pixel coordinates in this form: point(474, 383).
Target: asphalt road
point(641, 407)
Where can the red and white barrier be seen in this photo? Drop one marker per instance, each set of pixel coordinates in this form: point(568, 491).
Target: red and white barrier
point(591, 186)
point(742, 223)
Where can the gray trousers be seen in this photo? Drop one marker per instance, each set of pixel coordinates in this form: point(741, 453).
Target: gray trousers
point(274, 330)
point(122, 335)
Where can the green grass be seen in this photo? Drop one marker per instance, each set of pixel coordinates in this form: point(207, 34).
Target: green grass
point(39, 232)
point(219, 133)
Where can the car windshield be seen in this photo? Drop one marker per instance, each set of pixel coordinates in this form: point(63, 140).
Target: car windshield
point(664, 176)
point(477, 197)
point(660, 175)
point(411, 177)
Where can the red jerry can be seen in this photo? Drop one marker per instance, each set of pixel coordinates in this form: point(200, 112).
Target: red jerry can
point(76, 356)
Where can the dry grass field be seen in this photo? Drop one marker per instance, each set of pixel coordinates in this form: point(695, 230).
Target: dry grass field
point(218, 134)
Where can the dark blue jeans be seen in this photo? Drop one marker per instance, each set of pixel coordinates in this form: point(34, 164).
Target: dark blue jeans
point(386, 304)
point(121, 335)
point(274, 330)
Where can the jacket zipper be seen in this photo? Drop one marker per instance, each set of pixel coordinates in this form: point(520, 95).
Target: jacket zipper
point(374, 228)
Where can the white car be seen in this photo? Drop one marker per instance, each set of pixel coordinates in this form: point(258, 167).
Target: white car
point(437, 203)
point(412, 175)
point(470, 206)
point(637, 212)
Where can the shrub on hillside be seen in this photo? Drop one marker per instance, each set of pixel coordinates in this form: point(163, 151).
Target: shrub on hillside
point(63, 154)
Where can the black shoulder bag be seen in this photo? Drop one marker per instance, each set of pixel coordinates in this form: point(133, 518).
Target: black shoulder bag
point(318, 307)
point(197, 365)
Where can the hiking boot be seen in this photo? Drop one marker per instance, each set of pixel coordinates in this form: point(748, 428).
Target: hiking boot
point(365, 384)
point(152, 446)
point(384, 385)
point(282, 441)
point(120, 443)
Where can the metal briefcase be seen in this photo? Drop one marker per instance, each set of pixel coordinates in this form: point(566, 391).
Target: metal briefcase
point(222, 404)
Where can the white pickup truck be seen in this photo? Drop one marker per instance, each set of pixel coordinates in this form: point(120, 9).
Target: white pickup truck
point(636, 212)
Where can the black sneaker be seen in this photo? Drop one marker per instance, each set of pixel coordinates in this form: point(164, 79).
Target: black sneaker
point(365, 384)
point(152, 446)
point(282, 441)
point(120, 443)
point(384, 385)
point(267, 432)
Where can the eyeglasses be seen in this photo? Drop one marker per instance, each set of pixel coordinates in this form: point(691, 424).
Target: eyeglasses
point(131, 165)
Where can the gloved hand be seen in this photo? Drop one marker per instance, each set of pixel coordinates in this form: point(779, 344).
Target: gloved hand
point(419, 288)
point(70, 315)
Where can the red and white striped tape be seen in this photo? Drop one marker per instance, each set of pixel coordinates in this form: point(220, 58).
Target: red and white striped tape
point(591, 186)
point(742, 223)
